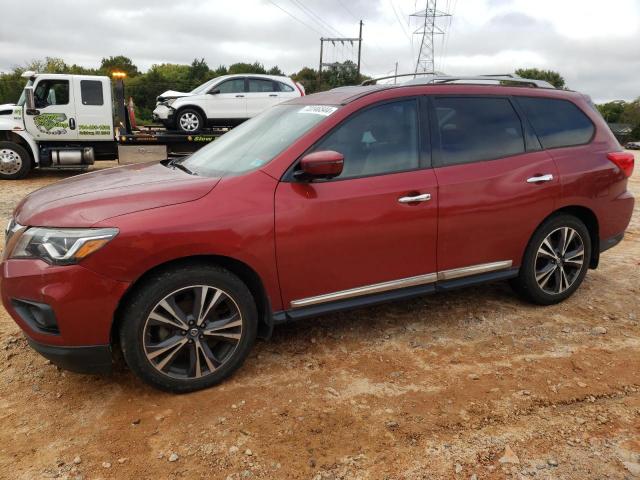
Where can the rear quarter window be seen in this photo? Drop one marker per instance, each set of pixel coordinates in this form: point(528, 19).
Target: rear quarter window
point(91, 92)
point(558, 123)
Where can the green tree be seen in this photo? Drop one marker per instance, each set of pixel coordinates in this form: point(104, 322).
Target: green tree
point(631, 115)
point(118, 63)
point(198, 72)
point(554, 78)
point(255, 67)
point(221, 70)
point(612, 111)
point(275, 71)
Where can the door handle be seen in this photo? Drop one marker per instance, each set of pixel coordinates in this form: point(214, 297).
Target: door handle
point(239, 96)
point(273, 94)
point(417, 198)
point(540, 178)
point(72, 124)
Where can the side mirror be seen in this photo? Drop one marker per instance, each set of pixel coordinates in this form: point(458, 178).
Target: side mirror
point(325, 164)
point(215, 91)
point(29, 99)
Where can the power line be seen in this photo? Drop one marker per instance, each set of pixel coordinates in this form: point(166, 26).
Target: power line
point(449, 29)
point(347, 10)
point(311, 14)
point(294, 17)
point(404, 30)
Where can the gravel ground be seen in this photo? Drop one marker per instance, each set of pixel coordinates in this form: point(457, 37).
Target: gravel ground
point(472, 384)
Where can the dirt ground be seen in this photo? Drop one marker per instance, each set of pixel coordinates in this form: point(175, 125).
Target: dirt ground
point(472, 384)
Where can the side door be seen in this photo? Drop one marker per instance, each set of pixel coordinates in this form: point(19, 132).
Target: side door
point(496, 184)
point(370, 230)
point(93, 108)
point(261, 94)
point(227, 100)
point(54, 117)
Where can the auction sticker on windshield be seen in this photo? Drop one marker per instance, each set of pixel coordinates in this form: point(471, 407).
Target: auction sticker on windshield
point(318, 109)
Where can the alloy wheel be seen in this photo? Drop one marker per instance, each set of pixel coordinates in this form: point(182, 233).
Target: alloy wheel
point(10, 161)
point(559, 260)
point(192, 332)
point(189, 122)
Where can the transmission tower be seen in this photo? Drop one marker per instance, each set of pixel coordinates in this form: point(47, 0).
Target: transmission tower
point(428, 29)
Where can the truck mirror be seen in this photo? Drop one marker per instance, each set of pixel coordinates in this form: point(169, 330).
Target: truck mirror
point(30, 102)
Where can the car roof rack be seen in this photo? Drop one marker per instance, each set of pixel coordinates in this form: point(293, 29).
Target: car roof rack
point(435, 79)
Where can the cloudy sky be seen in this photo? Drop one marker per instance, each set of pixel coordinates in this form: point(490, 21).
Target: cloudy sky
point(595, 45)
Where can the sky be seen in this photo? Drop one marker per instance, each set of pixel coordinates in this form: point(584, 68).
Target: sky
point(595, 45)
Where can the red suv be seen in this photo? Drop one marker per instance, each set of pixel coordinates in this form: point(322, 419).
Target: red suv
point(330, 201)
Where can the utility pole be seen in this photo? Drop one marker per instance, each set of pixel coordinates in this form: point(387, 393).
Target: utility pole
point(359, 48)
point(341, 40)
point(428, 30)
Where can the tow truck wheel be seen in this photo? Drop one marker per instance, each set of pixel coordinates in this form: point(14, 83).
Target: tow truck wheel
point(189, 120)
point(15, 161)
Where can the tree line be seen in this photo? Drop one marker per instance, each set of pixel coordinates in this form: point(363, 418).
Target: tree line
point(144, 87)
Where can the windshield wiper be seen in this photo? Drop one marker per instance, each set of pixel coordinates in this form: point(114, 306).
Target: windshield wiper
point(174, 163)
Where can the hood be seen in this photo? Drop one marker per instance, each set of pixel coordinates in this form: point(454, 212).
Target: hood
point(172, 94)
point(7, 108)
point(83, 200)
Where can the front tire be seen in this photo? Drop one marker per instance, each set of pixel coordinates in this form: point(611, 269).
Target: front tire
point(555, 262)
point(189, 328)
point(15, 161)
point(189, 120)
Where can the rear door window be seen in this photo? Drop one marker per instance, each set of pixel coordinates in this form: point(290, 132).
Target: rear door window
point(258, 85)
point(472, 129)
point(91, 92)
point(558, 123)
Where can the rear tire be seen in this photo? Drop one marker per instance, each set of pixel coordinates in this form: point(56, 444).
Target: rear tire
point(189, 328)
point(15, 161)
point(189, 120)
point(555, 262)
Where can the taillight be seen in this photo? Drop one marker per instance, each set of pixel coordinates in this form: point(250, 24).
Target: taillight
point(623, 160)
point(300, 88)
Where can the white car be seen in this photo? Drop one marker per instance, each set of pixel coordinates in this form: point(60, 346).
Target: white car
point(223, 101)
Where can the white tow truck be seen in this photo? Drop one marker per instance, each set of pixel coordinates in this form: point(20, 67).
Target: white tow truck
point(69, 121)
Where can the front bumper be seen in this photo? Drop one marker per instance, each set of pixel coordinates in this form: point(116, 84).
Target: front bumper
point(92, 359)
point(163, 113)
point(79, 302)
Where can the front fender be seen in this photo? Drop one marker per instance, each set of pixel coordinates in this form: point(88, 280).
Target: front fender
point(15, 127)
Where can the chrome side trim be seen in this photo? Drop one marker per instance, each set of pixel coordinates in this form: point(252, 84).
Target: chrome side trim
point(403, 283)
point(473, 270)
point(369, 289)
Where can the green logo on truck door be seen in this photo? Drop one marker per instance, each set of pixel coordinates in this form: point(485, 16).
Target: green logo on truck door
point(52, 123)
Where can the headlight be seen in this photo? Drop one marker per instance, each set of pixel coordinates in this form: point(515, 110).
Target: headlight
point(168, 102)
point(61, 246)
point(11, 233)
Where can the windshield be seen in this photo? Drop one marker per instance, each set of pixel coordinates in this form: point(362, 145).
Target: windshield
point(204, 88)
point(22, 99)
point(257, 141)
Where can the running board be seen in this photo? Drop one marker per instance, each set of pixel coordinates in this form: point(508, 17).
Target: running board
point(403, 283)
point(405, 293)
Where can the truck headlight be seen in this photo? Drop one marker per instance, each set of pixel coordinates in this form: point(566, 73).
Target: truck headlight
point(61, 246)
